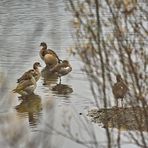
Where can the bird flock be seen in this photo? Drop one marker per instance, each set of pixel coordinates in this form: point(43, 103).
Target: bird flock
point(27, 83)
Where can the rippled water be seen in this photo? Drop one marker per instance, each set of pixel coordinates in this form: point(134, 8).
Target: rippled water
point(23, 25)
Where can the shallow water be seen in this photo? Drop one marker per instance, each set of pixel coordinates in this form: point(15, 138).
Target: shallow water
point(23, 26)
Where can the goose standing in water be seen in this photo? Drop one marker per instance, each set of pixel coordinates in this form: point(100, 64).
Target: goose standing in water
point(61, 69)
point(26, 86)
point(48, 56)
point(27, 82)
point(119, 89)
point(35, 72)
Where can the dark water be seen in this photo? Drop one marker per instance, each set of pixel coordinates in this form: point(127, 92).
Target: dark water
point(23, 25)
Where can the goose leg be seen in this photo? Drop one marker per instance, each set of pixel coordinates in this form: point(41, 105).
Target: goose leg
point(122, 102)
point(60, 81)
point(117, 103)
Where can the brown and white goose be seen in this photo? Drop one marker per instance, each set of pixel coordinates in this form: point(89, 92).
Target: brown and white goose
point(119, 89)
point(35, 72)
point(61, 69)
point(26, 86)
point(48, 56)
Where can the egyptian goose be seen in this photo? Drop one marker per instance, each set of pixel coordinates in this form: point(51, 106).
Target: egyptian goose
point(27, 86)
point(61, 69)
point(119, 89)
point(48, 56)
point(35, 71)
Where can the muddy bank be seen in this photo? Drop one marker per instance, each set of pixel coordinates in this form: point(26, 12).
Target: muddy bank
point(132, 118)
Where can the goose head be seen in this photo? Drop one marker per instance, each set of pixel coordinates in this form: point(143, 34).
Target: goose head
point(118, 78)
point(43, 45)
point(65, 63)
point(36, 65)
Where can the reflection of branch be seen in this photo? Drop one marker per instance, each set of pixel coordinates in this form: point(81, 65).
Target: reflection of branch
point(70, 137)
point(99, 31)
point(125, 41)
point(136, 141)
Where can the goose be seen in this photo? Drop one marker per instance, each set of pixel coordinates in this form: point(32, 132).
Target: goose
point(119, 89)
point(26, 86)
point(48, 56)
point(61, 69)
point(35, 71)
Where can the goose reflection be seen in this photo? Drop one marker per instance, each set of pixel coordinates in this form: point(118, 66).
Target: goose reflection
point(62, 89)
point(30, 106)
point(48, 78)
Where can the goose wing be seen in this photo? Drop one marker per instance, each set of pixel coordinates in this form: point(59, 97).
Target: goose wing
point(53, 53)
point(61, 70)
point(119, 90)
point(65, 70)
point(22, 85)
point(26, 76)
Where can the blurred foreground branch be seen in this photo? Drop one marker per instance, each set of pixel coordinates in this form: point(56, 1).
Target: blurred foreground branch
point(111, 37)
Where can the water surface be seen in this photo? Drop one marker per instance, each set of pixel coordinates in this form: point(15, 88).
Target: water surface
point(23, 26)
